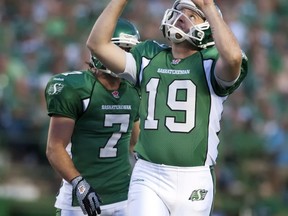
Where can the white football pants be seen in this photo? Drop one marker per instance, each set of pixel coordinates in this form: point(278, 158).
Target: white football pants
point(115, 209)
point(160, 190)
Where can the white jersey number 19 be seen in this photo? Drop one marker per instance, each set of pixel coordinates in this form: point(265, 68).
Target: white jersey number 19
point(188, 106)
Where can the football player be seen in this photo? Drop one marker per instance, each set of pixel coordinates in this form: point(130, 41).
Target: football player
point(183, 88)
point(93, 124)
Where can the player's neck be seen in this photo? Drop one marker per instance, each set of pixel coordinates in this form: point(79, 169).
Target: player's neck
point(110, 83)
point(182, 50)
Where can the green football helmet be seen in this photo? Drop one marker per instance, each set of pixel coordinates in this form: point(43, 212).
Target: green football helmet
point(199, 35)
point(126, 35)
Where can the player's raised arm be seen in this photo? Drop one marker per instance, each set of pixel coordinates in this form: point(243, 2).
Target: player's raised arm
point(225, 41)
point(99, 40)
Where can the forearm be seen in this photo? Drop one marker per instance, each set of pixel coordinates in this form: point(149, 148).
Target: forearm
point(106, 22)
point(59, 135)
point(225, 41)
point(99, 40)
point(224, 38)
point(62, 164)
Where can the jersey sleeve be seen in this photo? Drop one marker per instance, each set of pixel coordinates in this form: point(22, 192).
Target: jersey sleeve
point(146, 51)
point(229, 90)
point(61, 98)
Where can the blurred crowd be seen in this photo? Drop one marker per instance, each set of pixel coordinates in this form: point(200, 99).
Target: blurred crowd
point(39, 38)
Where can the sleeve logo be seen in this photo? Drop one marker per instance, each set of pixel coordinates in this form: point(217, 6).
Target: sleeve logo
point(55, 88)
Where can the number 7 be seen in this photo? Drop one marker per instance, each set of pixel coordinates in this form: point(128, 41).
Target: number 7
point(109, 149)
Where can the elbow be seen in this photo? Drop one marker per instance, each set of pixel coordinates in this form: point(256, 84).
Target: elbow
point(229, 68)
point(234, 58)
point(237, 58)
point(96, 47)
point(91, 46)
point(237, 61)
point(234, 63)
point(49, 153)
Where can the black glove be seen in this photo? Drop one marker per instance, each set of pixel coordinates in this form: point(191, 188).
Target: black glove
point(87, 197)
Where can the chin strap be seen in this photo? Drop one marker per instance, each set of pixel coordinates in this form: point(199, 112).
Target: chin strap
point(109, 72)
point(175, 35)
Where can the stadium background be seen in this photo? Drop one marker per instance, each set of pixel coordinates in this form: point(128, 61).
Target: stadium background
point(39, 38)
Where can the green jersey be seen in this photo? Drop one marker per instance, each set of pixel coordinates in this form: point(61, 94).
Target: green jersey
point(181, 105)
point(103, 125)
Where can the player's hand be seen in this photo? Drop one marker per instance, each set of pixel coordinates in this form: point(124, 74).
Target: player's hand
point(202, 3)
point(87, 197)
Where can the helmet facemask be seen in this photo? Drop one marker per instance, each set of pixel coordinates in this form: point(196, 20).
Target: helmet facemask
point(199, 35)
